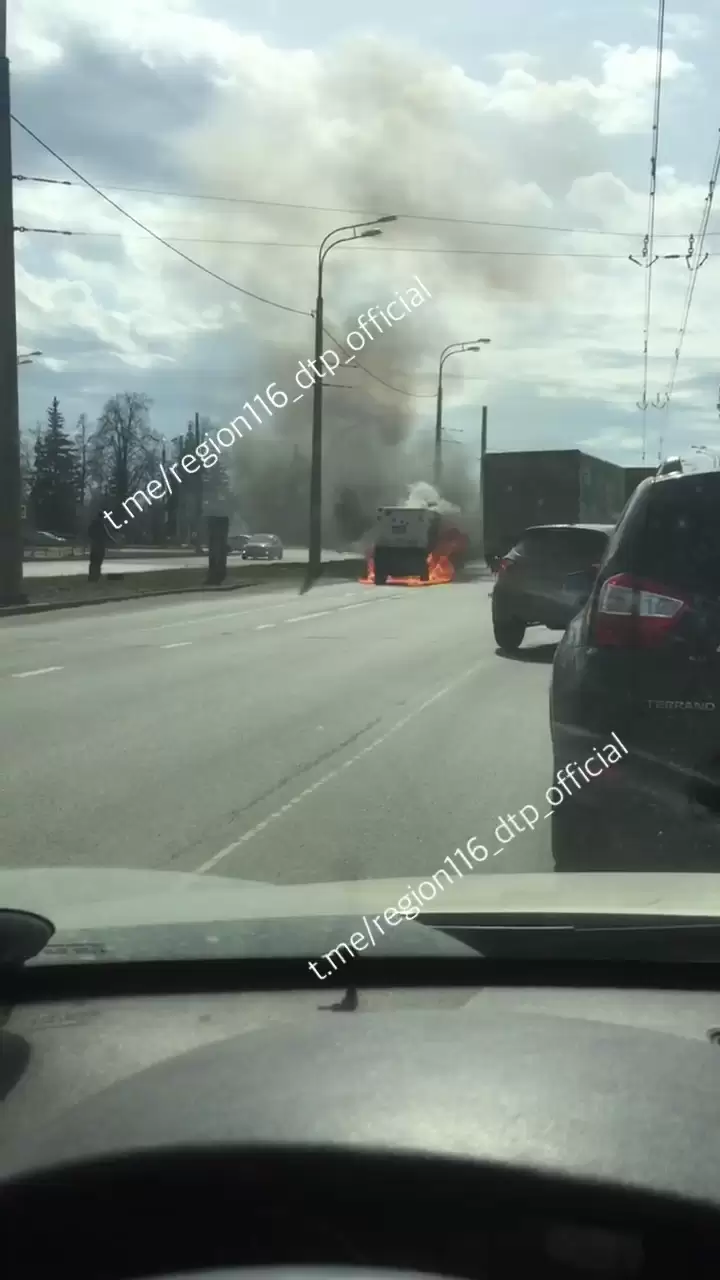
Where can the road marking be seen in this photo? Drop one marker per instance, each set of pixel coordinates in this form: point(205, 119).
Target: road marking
point(266, 626)
point(179, 644)
point(41, 671)
point(231, 613)
point(302, 616)
point(334, 773)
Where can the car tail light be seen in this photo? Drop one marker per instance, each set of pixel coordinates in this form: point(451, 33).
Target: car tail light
point(504, 564)
point(635, 612)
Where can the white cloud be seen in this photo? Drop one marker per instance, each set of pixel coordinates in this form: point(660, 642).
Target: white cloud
point(373, 125)
point(685, 26)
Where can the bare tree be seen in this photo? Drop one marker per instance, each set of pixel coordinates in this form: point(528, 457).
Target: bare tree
point(123, 451)
point(81, 443)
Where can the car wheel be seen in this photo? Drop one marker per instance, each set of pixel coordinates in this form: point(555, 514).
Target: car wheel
point(509, 633)
point(567, 839)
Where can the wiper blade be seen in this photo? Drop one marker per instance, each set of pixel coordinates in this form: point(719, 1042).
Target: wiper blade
point(582, 936)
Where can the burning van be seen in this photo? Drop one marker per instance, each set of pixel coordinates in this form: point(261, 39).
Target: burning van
point(414, 545)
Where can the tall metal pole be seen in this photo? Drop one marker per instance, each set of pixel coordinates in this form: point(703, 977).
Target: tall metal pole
point(315, 534)
point(199, 489)
point(11, 540)
point(437, 469)
point(483, 452)
point(315, 531)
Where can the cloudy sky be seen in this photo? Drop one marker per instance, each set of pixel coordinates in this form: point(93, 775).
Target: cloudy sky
point(512, 141)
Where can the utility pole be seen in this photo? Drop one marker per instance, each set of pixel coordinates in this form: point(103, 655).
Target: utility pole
point(358, 231)
point(437, 461)
point(199, 488)
point(11, 539)
point(315, 532)
point(483, 452)
point(453, 349)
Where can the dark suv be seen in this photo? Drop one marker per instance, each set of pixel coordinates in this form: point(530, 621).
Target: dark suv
point(545, 579)
point(642, 661)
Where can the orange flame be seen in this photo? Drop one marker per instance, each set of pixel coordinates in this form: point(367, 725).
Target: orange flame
point(440, 564)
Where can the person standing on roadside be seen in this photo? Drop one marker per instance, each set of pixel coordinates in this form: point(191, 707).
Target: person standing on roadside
point(98, 539)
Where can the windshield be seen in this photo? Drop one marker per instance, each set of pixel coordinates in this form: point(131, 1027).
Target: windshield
point(396, 285)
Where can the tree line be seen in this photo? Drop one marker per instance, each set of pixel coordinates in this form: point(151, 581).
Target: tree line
point(67, 476)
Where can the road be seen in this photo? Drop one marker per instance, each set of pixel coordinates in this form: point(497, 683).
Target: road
point(45, 567)
point(351, 732)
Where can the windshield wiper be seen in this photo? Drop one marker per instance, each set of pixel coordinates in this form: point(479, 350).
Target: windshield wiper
point(549, 936)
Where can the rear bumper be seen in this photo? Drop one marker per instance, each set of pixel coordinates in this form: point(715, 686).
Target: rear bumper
point(643, 813)
point(533, 611)
point(401, 562)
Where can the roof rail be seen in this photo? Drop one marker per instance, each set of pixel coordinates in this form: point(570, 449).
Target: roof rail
point(670, 467)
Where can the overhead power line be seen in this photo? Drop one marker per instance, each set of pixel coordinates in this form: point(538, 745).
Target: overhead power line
point(222, 279)
point(648, 252)
point(317, 208)
point(283, 244)
point(214, 274)
point(697, 262)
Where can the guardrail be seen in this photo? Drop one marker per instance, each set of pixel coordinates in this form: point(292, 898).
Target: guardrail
point(50, 553)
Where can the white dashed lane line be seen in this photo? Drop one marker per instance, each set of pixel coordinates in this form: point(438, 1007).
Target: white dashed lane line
point(263, 626)
point(211, 863)
point(41, 671)
point(323, 613)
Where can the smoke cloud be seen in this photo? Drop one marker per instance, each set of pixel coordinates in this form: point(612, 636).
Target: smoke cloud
point(375, 128)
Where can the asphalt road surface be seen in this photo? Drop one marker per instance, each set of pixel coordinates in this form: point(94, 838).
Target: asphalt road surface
point(351, 732)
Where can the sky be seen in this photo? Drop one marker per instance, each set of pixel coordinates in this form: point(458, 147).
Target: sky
point(511, 141)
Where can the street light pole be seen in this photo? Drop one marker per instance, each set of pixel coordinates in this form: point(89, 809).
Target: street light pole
point(315, 530)
point(11, 540)
point(453, 349)
point(483, 454)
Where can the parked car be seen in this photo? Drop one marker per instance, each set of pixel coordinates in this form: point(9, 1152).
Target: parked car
point(238, 542)
point(39, 542)
point(545, 579)
point(642, 661)
point(263, 546)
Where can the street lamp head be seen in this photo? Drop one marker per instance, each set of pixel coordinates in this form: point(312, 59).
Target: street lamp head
point(472, 348)
point(388, 217)
point(365, 234)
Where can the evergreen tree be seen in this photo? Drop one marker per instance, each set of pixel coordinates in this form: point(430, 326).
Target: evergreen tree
point(54, 485)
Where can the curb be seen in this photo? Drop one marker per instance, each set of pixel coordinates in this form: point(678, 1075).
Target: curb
point(52, 606)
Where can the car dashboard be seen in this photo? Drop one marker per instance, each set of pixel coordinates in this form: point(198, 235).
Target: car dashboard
point(462, 1132)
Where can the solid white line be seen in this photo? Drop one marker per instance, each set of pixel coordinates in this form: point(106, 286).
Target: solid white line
point(179, 644)
point(302, 616)
point(334, 773)
point(41, 671)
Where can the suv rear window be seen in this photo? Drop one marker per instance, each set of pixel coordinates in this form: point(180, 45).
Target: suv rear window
point(576, 548)
point(676, 534)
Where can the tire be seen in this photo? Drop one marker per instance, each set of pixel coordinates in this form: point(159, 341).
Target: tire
point(567, 840)
point(509, 633)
